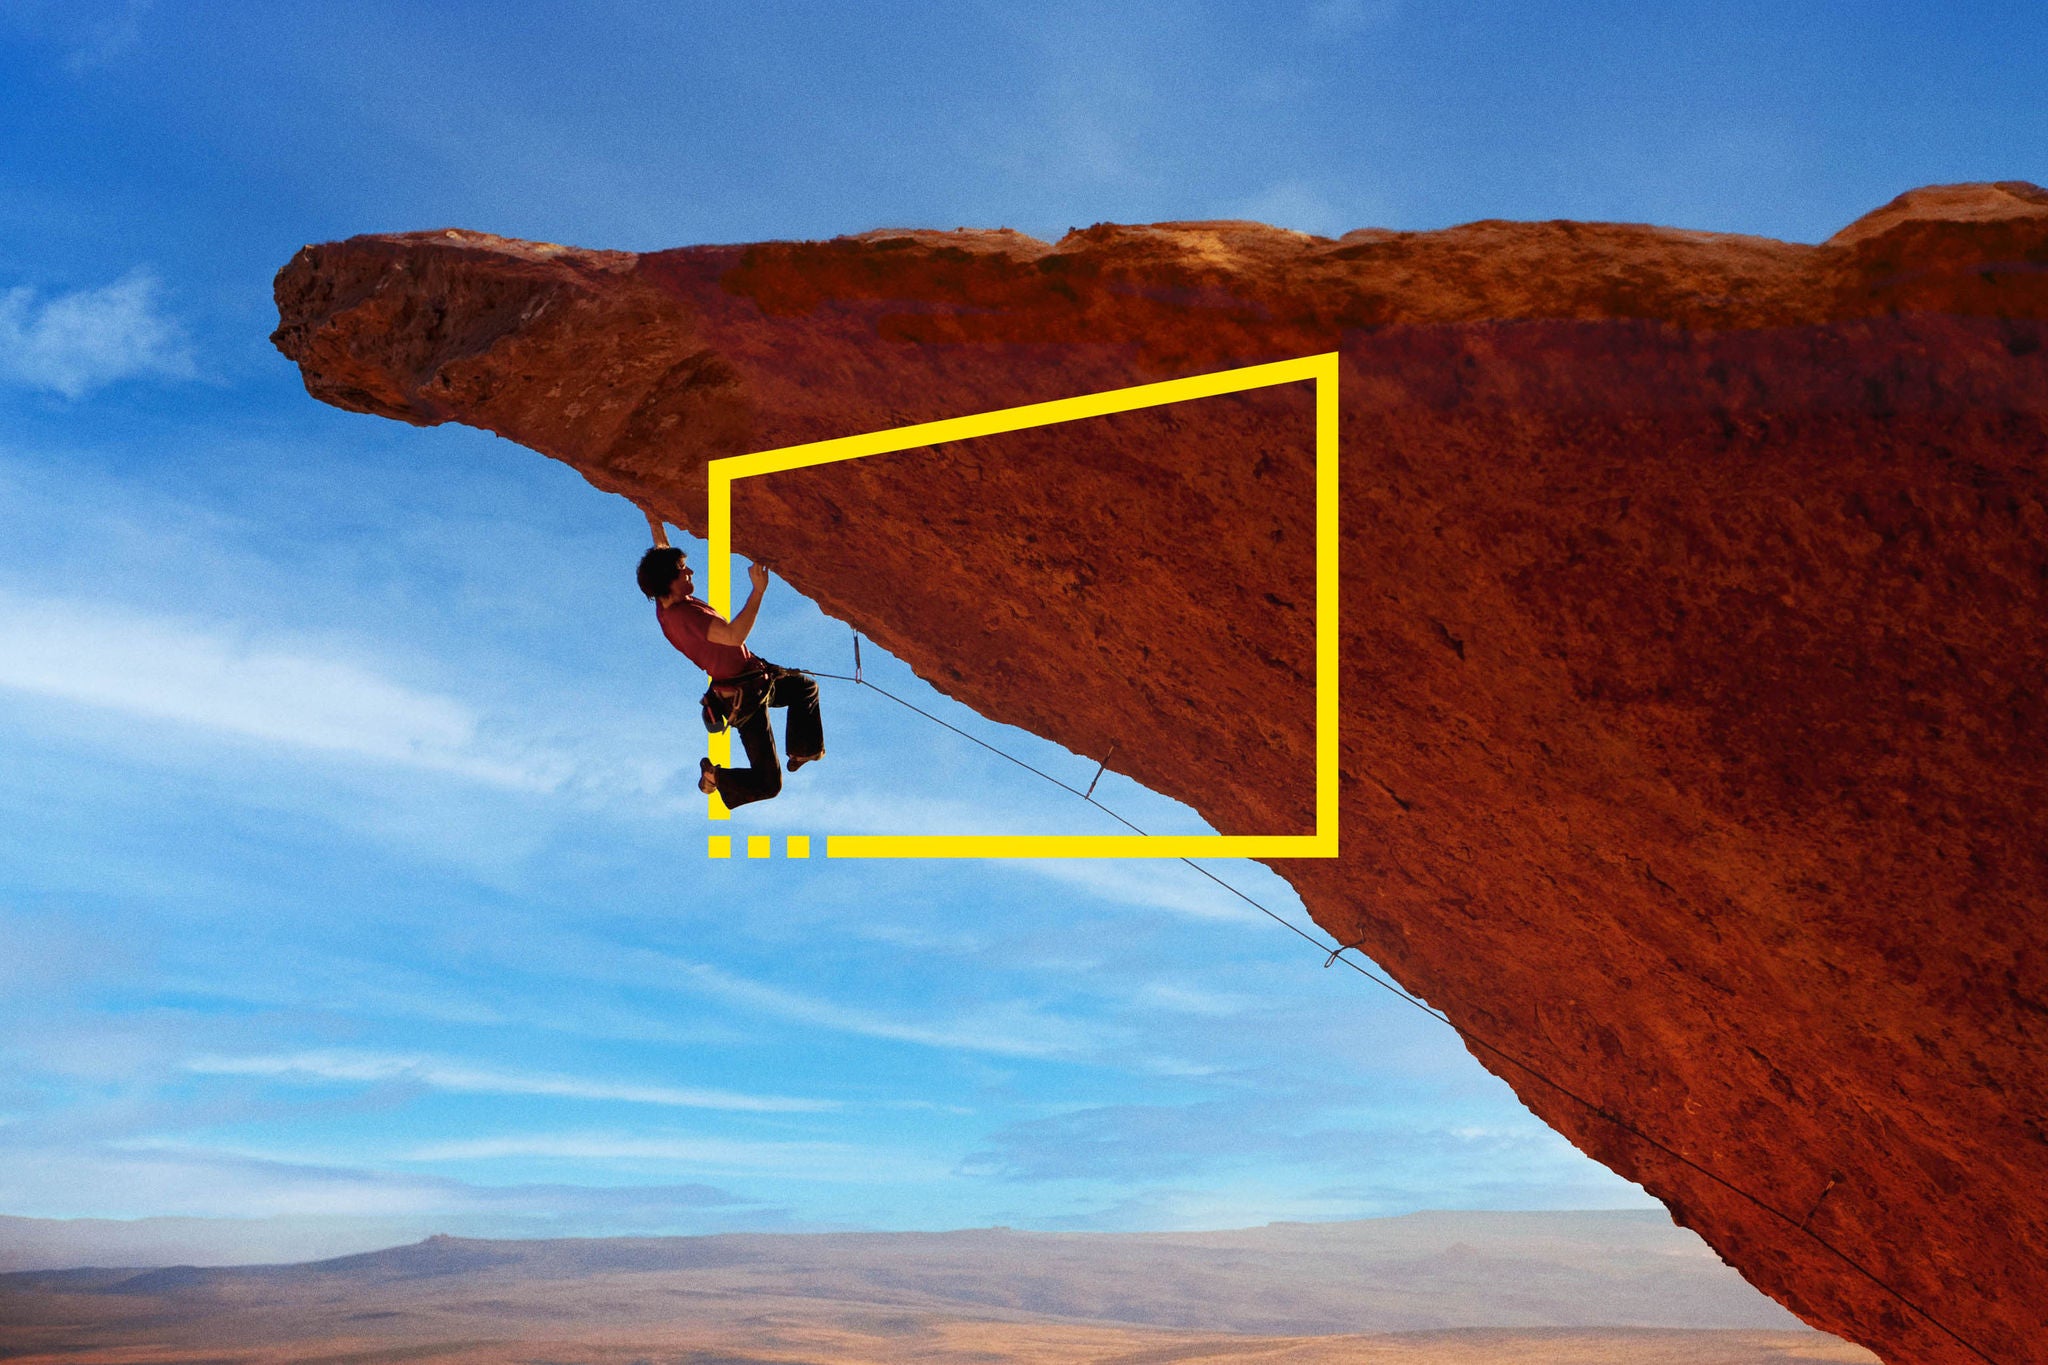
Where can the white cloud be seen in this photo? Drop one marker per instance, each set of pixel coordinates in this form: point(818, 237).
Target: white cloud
point(75, 343)
point(446, 1075)
point(1162, 885)
point(107, 1181)
point(166, 670)
point(1178, 999)
point(156, 1178)
point(1012, 1031)
point(798, 1160)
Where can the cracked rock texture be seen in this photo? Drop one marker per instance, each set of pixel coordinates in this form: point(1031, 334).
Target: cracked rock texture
point(1693, 633)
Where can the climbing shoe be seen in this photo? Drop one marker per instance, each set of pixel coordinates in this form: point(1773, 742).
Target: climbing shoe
point(707, 777)
point(798, 760)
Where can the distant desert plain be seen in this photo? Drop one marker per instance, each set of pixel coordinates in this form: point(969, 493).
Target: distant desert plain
point(1597, 1288)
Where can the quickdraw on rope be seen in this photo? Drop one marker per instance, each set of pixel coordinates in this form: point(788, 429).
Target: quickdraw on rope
point(1089, 795)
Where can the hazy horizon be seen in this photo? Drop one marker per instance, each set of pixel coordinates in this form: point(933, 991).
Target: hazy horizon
point(28, 1244)
point(1414, 1272)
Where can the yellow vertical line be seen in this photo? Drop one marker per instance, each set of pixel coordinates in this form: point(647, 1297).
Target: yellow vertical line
point(1329, 620)
point(718, 584)
point(718, 573)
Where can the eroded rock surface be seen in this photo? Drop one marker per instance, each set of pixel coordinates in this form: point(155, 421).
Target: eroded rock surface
point(1693, 631)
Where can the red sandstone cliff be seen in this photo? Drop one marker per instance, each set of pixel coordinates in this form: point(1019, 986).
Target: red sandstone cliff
point(1693, 630)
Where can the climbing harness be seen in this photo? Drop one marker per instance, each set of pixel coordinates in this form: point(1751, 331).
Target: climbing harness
point(1472, 1040)
point(731, 702)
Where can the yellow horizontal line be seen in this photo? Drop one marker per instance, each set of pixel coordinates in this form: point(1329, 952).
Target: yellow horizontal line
point(1018, 418)
point(1081, 846)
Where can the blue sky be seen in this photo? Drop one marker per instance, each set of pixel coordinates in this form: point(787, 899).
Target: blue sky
point(352, 863)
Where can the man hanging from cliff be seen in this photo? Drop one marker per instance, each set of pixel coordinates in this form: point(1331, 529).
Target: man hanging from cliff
point(743, 686)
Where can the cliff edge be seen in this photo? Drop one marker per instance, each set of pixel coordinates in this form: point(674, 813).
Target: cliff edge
point(1693, 631)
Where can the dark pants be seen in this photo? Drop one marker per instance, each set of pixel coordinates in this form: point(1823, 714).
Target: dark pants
point(802, 730)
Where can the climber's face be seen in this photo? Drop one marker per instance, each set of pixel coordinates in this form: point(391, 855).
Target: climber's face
point(684, 586)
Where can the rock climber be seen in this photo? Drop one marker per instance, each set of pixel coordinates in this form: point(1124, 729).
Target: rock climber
point(743, 686)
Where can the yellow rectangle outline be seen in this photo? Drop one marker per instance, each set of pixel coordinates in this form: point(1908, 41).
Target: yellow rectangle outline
point(1322, 369)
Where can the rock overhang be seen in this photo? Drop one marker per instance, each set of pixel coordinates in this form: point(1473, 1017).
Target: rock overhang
point(1693, 629)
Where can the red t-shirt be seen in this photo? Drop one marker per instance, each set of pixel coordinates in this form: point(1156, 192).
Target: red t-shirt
point(688, 628)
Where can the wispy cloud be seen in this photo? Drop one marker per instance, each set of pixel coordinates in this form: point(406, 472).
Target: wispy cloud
point(1400, 1157)
point(802, 1160)
point(163, 669)
point(299, 977)
point(170, 1179)
point(1174, 998)
point(1011, 1031)
point(441, 1074)
point(1292, 1124)
point(75, 343)
point(1164, 885)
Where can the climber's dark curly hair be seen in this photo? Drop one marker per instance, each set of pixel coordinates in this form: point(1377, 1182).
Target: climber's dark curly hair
point(658, 571)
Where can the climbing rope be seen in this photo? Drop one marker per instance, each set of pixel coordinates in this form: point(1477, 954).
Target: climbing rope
point(1335, 955)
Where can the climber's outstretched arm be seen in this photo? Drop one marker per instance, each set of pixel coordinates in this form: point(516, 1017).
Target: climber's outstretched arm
point(660, 532)
point(734, 632)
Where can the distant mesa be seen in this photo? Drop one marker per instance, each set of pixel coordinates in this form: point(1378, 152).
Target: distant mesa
point(1694, 594)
